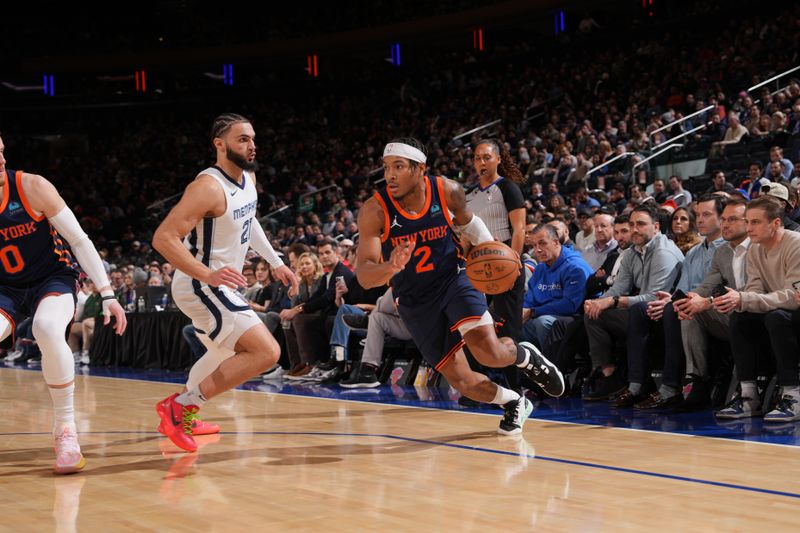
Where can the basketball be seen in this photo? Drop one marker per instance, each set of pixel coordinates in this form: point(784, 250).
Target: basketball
point(492, 267)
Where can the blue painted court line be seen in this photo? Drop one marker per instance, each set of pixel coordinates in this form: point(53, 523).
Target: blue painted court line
point(468, 448)
point(569, 410)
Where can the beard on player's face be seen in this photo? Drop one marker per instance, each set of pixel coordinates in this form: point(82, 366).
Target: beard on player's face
point(240, 160)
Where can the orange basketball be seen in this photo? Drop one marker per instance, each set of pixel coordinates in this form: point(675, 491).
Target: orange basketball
point(492, 267)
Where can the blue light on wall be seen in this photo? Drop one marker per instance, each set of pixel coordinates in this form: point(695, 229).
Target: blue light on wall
point(47, 84)
point(395, 51)
point(558, 22)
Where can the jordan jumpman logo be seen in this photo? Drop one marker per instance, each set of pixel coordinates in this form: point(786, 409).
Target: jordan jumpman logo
point(395, 223)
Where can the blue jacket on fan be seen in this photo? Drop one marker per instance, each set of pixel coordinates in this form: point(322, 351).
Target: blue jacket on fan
point(558, 289)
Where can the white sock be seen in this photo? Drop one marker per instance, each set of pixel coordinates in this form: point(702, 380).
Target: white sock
point(749, 390)
point(339, 352)
point(63, 407)
point(794, 392)
point(191, 397)
point(504, 395)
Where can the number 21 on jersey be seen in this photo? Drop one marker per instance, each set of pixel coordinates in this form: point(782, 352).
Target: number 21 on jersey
point(246, 230)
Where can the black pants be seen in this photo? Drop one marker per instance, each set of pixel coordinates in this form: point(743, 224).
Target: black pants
point(781, 328)
point(508, 307)
point(641, 330)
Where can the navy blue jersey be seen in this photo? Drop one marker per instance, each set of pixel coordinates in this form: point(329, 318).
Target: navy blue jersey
point(30, 248)
point(437, 258)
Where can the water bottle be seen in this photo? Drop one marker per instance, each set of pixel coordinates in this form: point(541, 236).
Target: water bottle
point(140, 304)
point(164, 301)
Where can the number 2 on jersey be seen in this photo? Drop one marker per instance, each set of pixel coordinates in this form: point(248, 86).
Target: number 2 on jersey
point(11, 254)
point(423, 265)
point(246, 228)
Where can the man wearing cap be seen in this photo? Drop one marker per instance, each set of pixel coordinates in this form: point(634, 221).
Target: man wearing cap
point(585, 237)
point(342, 249)
point(781, 192)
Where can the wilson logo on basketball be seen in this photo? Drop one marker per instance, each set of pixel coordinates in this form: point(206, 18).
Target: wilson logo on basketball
point(480, 252)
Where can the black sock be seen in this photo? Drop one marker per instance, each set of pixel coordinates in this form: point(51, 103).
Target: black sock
point(522, 355)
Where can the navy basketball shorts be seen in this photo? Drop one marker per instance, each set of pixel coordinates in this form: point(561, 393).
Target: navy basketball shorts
point(18, 303)
point(434, 325)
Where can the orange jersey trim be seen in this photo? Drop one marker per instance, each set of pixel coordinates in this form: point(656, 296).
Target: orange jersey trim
point(409, 216)
point(463, 321)
point(4, 203)
point(446, 359)
point(25, 199)
point(443, 201)
point(386, 222)
point(10, 321)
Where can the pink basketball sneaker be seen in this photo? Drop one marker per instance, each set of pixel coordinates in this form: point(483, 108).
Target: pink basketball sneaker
point(68, 452)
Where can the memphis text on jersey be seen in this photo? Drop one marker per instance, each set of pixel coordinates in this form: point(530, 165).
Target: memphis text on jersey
point(245, 210)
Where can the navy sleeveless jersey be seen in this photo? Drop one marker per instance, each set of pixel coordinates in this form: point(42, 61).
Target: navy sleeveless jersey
point(437, 258)
point(30, 248)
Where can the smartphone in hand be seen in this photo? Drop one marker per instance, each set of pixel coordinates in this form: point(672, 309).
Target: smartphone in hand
point(678, 295)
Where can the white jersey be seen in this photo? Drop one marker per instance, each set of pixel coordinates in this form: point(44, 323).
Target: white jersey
point(217, 242)
point(224, 240)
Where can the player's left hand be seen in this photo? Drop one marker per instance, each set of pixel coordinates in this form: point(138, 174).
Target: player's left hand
point(287, 277)
point(112, 308)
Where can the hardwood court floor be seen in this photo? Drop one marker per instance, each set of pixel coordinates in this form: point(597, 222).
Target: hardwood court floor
point(291, 463)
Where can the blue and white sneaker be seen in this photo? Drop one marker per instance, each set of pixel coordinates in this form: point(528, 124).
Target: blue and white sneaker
point(740, 407)
point(786, 410)
point(542, 372)
point(516, 413)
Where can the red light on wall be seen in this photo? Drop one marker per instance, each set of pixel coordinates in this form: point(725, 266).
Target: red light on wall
point(477, 39)
point(312, 66)
point(141, 81)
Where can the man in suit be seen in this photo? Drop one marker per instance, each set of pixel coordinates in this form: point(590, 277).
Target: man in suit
point(699, 320)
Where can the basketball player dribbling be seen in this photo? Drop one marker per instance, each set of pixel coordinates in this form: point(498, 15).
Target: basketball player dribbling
point(408, 236)
point(39, 278)
point(206, 237)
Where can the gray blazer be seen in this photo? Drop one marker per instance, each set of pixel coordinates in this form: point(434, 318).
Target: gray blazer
point(721, 272)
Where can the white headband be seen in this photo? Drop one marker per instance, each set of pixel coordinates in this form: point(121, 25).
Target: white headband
point(404, 150)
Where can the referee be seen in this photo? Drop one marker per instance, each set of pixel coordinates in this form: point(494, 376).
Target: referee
point(497, 200)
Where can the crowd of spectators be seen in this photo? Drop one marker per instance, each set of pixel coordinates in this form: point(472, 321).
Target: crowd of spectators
point(564, 117)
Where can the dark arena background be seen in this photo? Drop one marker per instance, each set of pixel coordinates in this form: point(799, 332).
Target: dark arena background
point(642, 157)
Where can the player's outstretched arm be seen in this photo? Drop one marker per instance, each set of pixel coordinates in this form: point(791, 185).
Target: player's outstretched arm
point(260, 243)
point(203, 198)
point(371, 272)
point(44, 198)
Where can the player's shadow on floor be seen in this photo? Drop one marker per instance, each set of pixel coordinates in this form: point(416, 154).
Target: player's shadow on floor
point(269, 456)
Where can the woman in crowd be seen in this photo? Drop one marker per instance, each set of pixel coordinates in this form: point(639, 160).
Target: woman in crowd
point(259, 299)
point(683, 229)
point(309, 272)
